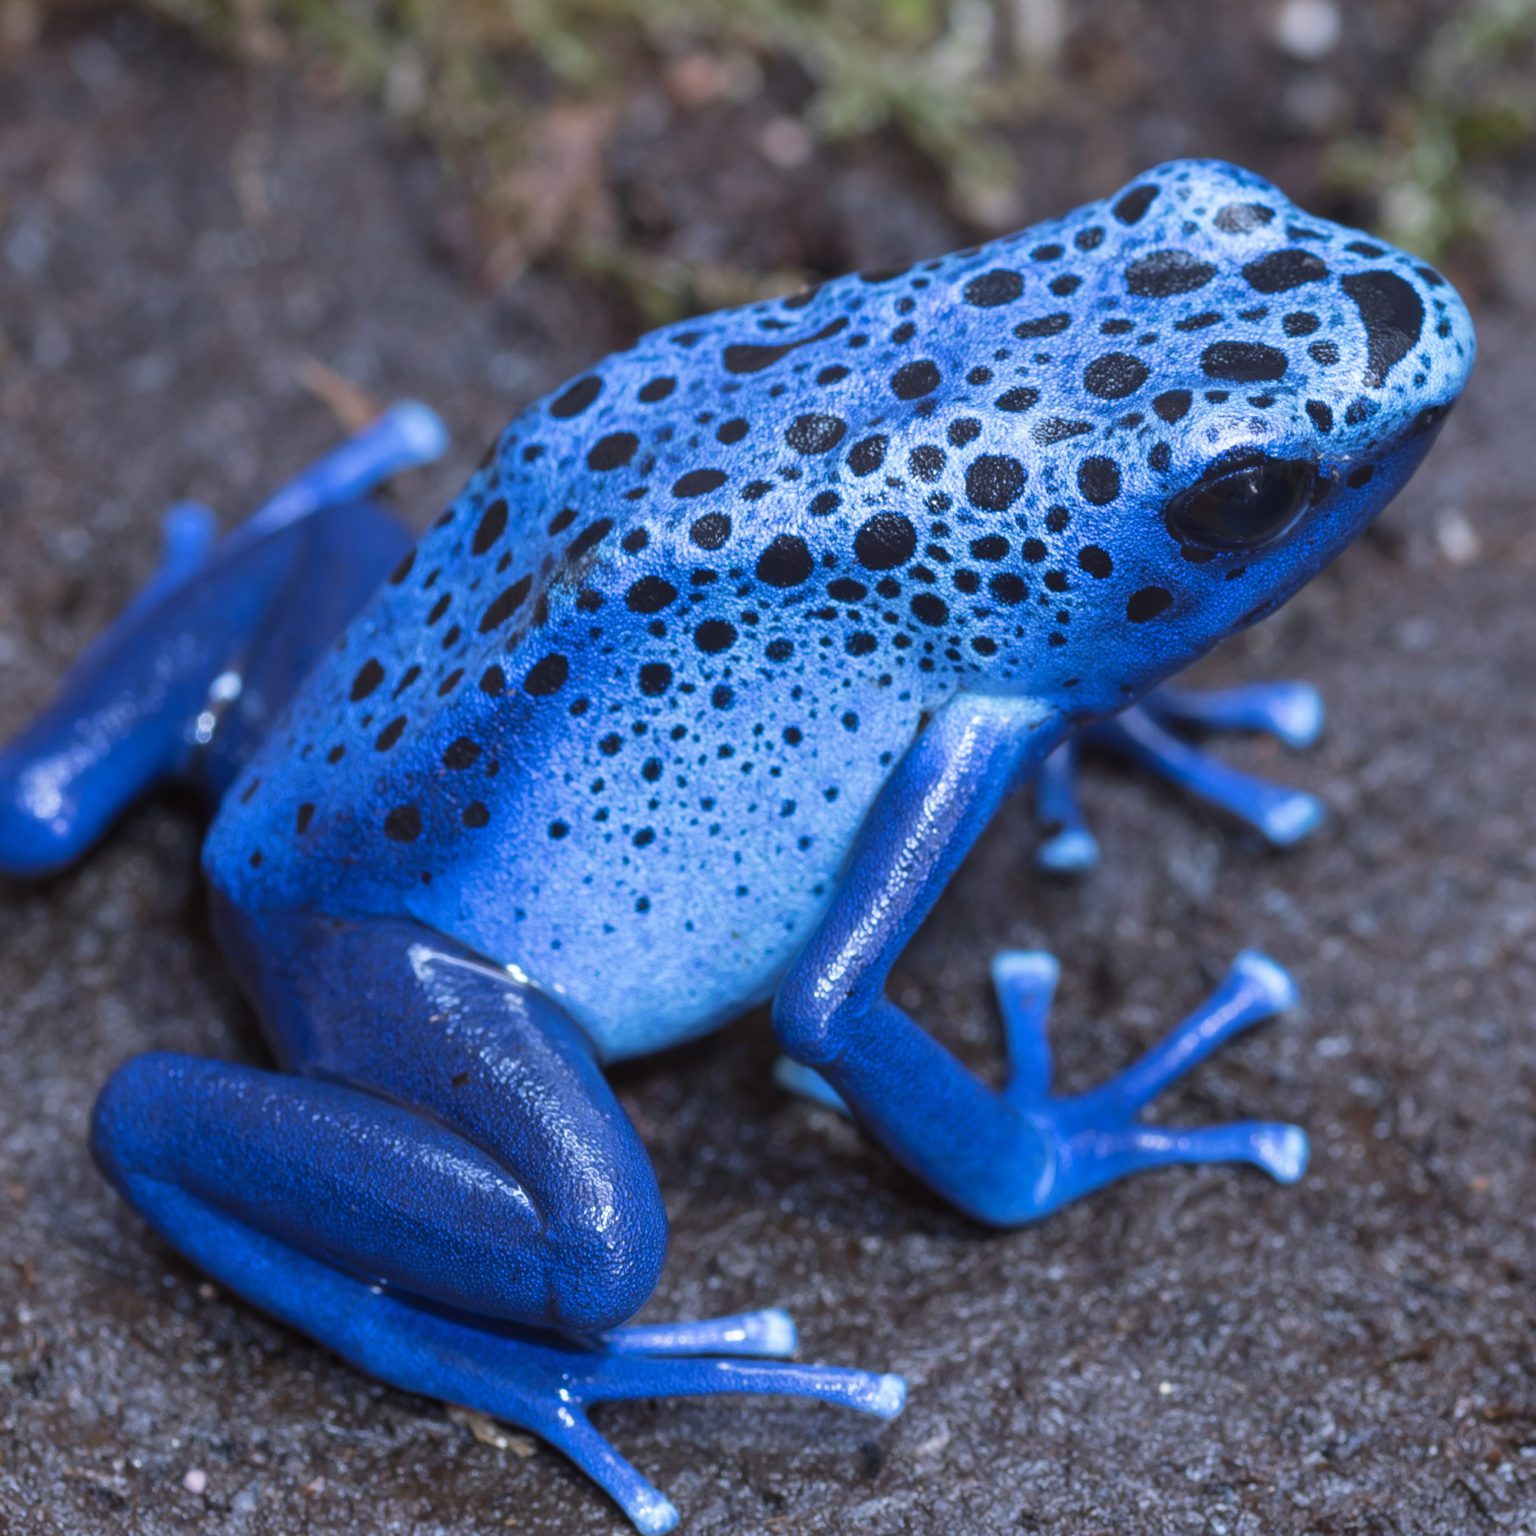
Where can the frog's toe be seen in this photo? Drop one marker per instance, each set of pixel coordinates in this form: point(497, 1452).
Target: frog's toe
point(768, 1334)
point(1292, 712)
point(807, 1083)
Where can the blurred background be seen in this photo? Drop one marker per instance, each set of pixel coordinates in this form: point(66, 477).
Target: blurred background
point(688, 153)
point(230, 229)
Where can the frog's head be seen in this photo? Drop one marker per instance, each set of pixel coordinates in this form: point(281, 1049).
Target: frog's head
point(1223, 394)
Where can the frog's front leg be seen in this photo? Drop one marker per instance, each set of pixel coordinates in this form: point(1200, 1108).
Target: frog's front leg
point(1146, 734)
point(1011, 1155)
point(447, 1194)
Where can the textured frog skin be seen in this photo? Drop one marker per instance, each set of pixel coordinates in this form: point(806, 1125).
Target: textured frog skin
point(695, 696)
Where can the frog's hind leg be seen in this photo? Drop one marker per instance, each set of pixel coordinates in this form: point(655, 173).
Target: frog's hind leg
point(448, 1195)
point(187, 679)
point(1290, 712)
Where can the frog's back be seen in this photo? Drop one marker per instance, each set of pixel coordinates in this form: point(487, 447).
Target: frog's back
point(618, 718)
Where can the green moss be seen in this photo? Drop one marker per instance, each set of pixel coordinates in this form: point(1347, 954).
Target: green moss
point(1470, 106)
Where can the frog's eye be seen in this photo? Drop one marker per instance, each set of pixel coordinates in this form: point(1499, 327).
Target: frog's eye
point(1241, 504)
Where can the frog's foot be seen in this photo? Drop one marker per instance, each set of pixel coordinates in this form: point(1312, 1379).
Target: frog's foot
point(187, 679)
point(1096, 1136)
point(1290, 712)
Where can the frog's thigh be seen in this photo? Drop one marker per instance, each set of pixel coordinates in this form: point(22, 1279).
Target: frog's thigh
point(450, 1133)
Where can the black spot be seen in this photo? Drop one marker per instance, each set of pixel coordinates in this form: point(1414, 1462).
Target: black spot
point(963, 430)
point(1282, 270)
point(656, 389)
point(1009, 588)
point(369, 676)
point(558, 829)
point(476, 815)
point(650, 595)
point(815, 434)
point(390, 734)
point(1172, 404)
point(401, 571)
point(786, 562)
point(927, 461)
point(505, 605)
point(1099, 480)
point(1019, 399)
point(613, 451)
point(1045, 325)
point(655, 678)
point(999, 286)
point(887, 540)
point(493, 681)
point(1095, 561)
point(824, 503)
point(578, 397)
point(698, 482)
point(634, 541)
point(492, 526)
point(1359, 476)
point(306, 814)
point(461, 754)
point(867, 455)
point(994, 481)
point(1147, 604)
point(1324, 352)
point(753, 357)
point(403, 824)
point(1114, 376)
point(1089, 239)
point(711, 530)
point(1161, 274)
point(779, 650)
point(1240, 218)
point(929, 608)
point(547, 675)
point(1321, 414)
point(715, 635)
point(989, 546)
point(1134, 204)
point(913, 380)
point(731, 431)
point(1300, 322)
point(1243, 362)
point(589, 538)
point(1055, 430)
point(1393, 315)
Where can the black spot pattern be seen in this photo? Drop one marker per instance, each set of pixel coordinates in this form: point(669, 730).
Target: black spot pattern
point(706, 593)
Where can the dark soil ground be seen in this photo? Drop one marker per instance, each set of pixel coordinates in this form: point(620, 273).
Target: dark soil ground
point(1196, 1352)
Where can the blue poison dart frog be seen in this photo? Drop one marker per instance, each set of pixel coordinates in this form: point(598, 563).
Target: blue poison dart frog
point(695, 697)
